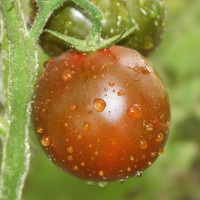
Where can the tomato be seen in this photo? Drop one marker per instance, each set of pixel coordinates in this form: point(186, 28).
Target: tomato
point(102, 116)
point(148, 16)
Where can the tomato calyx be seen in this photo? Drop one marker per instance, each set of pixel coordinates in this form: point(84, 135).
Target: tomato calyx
point(94, 41)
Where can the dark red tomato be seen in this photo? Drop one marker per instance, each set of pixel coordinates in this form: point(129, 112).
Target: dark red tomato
point(102, 116)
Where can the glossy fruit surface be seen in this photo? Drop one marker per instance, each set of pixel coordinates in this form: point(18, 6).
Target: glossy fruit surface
point(102, 116)
point(148, 16)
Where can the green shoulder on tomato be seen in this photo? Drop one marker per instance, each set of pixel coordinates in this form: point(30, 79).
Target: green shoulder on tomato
point(148, 16)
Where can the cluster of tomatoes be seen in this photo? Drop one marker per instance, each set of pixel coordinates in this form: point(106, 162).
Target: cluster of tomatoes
point(103, 116)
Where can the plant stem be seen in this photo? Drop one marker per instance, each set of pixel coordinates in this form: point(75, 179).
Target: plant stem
point(3, 128)
point(20, 73)
point(97, 17)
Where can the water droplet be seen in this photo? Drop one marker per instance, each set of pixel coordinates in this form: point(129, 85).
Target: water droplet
point(95, 77)
point(79, 137)
point(131, 158)
point(37, 86)
point(75, 168)
point(153, 154)
point(90, 183)
point(121, 93)
point(86, 126)
point(139, 173)
point(45, 141)
point(160, 137)
point(148, 43)
point(143, 144)
point(70, 158)
point(143, 156)
point(149, 163)
point(99, 105)
point(128, 169)
point(101, 173)
point(70, 149)
point(48, 63)
point(40, 130)
point(149, 127)
point(82, 164)
point(111, 84)
point(135, 111)
point(96, 153)
point(160, 151)
point(90, 145)
point(73, 107)
point(102, 184)
point(67, 75)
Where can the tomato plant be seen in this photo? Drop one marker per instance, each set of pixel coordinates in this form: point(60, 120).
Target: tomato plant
point(102, 116)
point(148, 16)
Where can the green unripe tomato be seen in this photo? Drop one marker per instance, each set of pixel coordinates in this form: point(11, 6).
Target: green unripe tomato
point(148, 16)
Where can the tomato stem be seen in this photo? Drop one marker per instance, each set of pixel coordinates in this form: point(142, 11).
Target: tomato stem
point(94, 41)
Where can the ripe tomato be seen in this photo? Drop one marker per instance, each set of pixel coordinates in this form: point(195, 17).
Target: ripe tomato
point(102, 116)
point(147, 15)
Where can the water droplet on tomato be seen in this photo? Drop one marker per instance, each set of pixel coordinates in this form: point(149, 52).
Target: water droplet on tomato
point(73, 107)
point(40, 130)
point(111, 84)
point(75, 168)
point(99, 105)
point(131, 158)
point(67, 75)
point(143, 144)
point(121, 93)
point(101, 173)
point(45, 141)
point(135, 111)
point(86, 126)
point(160, 137)
point(70, 158)
point(70, 149)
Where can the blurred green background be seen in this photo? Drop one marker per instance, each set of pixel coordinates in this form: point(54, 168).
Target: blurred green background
point(176, 174)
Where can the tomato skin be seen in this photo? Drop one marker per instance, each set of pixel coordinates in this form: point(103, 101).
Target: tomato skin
point(102, 116)
point(147, 15)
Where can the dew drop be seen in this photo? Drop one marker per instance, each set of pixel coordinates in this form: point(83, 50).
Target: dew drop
point(102, 184)
point(148, 44)
point(121, 93)
point(37, 86)
point(153, 154)
point(90, 183)
point(99, 105)
point(75, 168)
point(128, 169)
point(149, 127)
point(139, 173)
point(40, 130)
point(86, 126)
point(45, 141)
point(149, 163)
point(70, 158)
point(131, 158)
point(135, 111)
point(70, 149)
point(160, 137)
point(143, 144)
point(111, 84)
point(73, 107)
point(96, 153)
point(82, 164)
point(160, 151)
point(101, 173)
point(67, 75)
